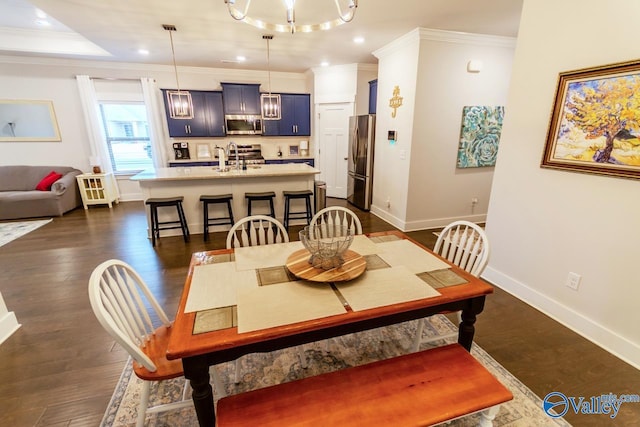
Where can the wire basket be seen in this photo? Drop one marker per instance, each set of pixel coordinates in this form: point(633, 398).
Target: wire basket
point(326, 243)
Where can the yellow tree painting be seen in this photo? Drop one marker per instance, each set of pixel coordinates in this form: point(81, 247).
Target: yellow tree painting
point(596, 122)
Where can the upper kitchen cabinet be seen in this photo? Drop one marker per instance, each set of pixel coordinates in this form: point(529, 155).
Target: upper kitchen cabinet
point(241, 98)
point(208, 116)
point(216, 116)
point(296, 114)
point(373, 96)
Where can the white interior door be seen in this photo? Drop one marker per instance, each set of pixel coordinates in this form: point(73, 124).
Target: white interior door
point(333, 129)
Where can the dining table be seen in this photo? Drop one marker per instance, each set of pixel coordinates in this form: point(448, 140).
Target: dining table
point(261, 298)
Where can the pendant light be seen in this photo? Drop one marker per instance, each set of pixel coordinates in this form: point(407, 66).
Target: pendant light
point(180, 103)
point(270, 102)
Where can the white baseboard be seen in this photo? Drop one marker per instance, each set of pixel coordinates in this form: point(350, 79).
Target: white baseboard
point(427, 224)
point(577, 322)
point(423, 224)
point(386, 216)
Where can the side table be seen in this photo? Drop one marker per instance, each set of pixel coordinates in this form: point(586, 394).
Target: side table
point(98, 189)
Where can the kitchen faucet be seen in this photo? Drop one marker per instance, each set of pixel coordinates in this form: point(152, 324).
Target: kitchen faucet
point(231, 143)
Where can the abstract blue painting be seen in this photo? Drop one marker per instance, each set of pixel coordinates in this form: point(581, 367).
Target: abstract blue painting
point(480, 135)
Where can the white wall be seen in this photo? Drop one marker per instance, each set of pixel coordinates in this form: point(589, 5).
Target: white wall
point(397, 66)
point(49, 79)
point(337, 83)
point(425, 189)
point(543, 223)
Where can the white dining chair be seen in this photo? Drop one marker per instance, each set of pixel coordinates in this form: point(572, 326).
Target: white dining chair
point(258, 230)
point(119, 299)
point(337, 216)
point(466, 245)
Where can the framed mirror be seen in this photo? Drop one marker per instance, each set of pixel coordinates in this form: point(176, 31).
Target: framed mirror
point(28, 121)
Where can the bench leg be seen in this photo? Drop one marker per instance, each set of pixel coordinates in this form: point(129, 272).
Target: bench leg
point(487, 416)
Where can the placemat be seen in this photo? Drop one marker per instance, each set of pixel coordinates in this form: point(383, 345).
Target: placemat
point(410, 255)
point(215, 285)
point(384, 286)
point(253, 257)
point(285, 303)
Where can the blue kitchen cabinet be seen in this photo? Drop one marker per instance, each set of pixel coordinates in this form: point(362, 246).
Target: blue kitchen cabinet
point(296, 114)
point(208, 116)
point(241, 98)
point(310, 162)
point(270, 127)
point(216, 114)
point(373, 96)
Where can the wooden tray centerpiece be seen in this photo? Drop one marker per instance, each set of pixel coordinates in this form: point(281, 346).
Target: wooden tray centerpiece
point(298, 264)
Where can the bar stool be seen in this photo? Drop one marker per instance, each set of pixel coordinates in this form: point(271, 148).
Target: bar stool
point(255, 197)
point(156, 226)
point(221, 220)
point(288, 214)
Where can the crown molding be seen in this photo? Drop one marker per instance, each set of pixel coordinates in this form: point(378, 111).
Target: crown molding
point(48, 42)
point(466, 38)
point(240, 75)
point(418, 34)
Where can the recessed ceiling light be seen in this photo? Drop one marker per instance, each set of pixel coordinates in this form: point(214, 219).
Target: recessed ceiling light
point(241, 58)
point(42, 22)
point(358, 40)
point(40, 14)
point(324, 64)
point(143, 51)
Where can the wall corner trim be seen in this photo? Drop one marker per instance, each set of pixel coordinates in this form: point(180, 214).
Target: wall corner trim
point(8, 322)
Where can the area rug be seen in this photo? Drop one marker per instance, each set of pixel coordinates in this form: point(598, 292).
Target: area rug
point(264, 369)
point(10, 231)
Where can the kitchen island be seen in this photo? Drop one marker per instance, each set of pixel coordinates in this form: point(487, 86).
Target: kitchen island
point(193, 182)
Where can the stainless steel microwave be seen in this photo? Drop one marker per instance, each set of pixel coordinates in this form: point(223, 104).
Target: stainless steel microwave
point(243, 124)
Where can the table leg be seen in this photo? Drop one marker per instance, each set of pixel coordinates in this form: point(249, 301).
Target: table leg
point(467, 329)
point(196, 370)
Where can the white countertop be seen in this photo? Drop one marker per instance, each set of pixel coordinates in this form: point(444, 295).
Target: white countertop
point(212, 172)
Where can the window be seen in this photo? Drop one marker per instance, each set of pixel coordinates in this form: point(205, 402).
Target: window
point(126, 132)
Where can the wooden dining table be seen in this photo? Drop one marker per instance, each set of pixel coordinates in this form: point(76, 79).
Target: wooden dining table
point(203, 336)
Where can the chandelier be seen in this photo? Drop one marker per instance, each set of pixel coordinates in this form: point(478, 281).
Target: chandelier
point(346, 14)
point(180, 103)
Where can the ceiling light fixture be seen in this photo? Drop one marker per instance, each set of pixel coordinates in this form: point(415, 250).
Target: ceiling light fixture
point(345, 15)
point(180, 103)
point(270, 103)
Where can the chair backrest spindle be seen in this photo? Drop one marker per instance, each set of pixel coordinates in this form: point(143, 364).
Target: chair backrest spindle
point(119, 299)
point(465, 244)
point(332, 218)
point(256, 230)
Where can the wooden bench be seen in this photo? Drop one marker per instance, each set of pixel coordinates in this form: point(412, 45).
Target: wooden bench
point(417, 389)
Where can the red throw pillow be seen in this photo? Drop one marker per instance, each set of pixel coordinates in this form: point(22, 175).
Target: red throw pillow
point(47, 181)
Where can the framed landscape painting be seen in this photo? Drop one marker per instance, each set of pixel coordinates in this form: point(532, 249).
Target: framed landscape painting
point(479, 136)
point(595, 121)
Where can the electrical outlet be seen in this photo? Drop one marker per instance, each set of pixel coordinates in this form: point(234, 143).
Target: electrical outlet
point(474, 201)
point(573, 281)
point(388, 202)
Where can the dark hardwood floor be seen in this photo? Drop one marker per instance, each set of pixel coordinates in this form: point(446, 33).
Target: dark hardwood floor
point(60, 368)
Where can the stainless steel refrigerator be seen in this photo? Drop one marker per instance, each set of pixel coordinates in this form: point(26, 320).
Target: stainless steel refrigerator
point(362, 130)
